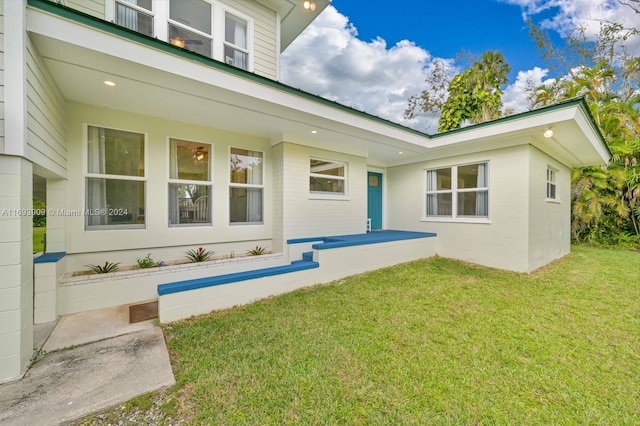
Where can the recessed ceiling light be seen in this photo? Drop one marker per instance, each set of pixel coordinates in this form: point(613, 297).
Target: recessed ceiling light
point(314, 132)
point(109, 83)
point(400, 152)
point(548, 133)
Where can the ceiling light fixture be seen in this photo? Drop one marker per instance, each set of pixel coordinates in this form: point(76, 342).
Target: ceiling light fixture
point(314, 132)
point(177, 41)
point(309, 5)
point(198, 154)
point(548, 133)
point(109, 83)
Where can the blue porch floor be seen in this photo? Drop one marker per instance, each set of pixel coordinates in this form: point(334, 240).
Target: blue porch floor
point(361, 239)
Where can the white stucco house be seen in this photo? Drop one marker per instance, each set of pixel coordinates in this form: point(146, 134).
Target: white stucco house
point(159, 126)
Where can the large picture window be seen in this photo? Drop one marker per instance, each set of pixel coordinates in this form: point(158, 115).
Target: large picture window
point(115, 180)
point(190, 186)
point(326, 177)
point(246, 187)
point(458, 191)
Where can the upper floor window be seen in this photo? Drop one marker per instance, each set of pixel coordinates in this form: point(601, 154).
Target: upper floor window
point(458, 191)
point(551, 184)
point(327, 177)
point(136, 15)
point(190, 25)
point(115, 179)
point(207, 27)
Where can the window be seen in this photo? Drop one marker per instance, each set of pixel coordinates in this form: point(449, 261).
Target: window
point(190, 188)
point(235, 41)
point(135, 15)
point(551, 184)
point(326, 177)
point(246, 188)
point(115, 181)
point(208, 27)
point(458, 191)
point(190, 26)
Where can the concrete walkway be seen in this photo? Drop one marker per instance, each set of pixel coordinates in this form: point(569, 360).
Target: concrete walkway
point(93, 360)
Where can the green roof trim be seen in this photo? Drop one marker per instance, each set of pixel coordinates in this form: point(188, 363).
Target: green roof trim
point(117, 30)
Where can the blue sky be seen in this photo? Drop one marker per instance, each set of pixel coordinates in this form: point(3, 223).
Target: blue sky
point(447, 27)
point(374, 55)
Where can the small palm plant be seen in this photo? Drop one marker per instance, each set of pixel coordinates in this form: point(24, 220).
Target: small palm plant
point(199, 255)
point(147, 262)
point(256, 251)
point(108, 267)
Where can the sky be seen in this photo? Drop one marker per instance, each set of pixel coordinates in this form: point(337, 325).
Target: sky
point(374, 55)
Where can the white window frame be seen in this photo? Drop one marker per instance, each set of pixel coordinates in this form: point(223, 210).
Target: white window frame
point(245, 185)
point(110, 11)
point(321, 195)
point(552, 180)
point(160, 12)
point(454, 191)
point(208, 183)
point(86, 175)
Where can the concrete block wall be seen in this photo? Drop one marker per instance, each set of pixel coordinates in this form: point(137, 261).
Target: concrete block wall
point(87, 292)
point(16, 267)
point(334, 263)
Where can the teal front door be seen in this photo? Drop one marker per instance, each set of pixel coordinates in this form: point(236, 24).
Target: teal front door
point(374, 199)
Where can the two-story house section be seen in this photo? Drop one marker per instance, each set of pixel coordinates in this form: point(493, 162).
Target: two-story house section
point(159, 126)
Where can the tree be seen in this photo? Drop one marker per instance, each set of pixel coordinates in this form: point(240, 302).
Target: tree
point(474, 95)
point(605, 199)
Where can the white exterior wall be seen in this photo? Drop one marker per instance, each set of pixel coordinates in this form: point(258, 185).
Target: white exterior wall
point(16, 267)
point(46, 117)
point(1, 76)
point(500, 243)
point(304, 215)
point(90, 7)
point(16, 189)
point(163, 242)
point(549, 221)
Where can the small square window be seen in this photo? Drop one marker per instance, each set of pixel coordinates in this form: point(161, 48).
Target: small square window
point(327, 177)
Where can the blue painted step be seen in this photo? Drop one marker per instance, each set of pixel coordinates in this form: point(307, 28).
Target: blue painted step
point(186, 285)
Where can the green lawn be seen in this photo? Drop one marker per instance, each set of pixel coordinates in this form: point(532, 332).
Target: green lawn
point(428, 342)
point(38, 235)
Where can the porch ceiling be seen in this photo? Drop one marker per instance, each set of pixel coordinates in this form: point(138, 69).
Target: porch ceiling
point(80, 72)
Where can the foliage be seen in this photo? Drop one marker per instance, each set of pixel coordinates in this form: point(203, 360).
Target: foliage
point(199, 255)
point(606, 199)
point(38, 239)
point(39, 220)
point(474, 95)
point(429, 342)
point(100, 269)
point(147, 262)
point(257, 251)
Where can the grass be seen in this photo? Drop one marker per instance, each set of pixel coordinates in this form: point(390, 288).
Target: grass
point(38, 236)
point(429, 342)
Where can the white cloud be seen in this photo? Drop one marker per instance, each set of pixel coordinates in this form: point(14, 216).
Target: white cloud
point(516, 95)
point(329, 60)
point(570, 15)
